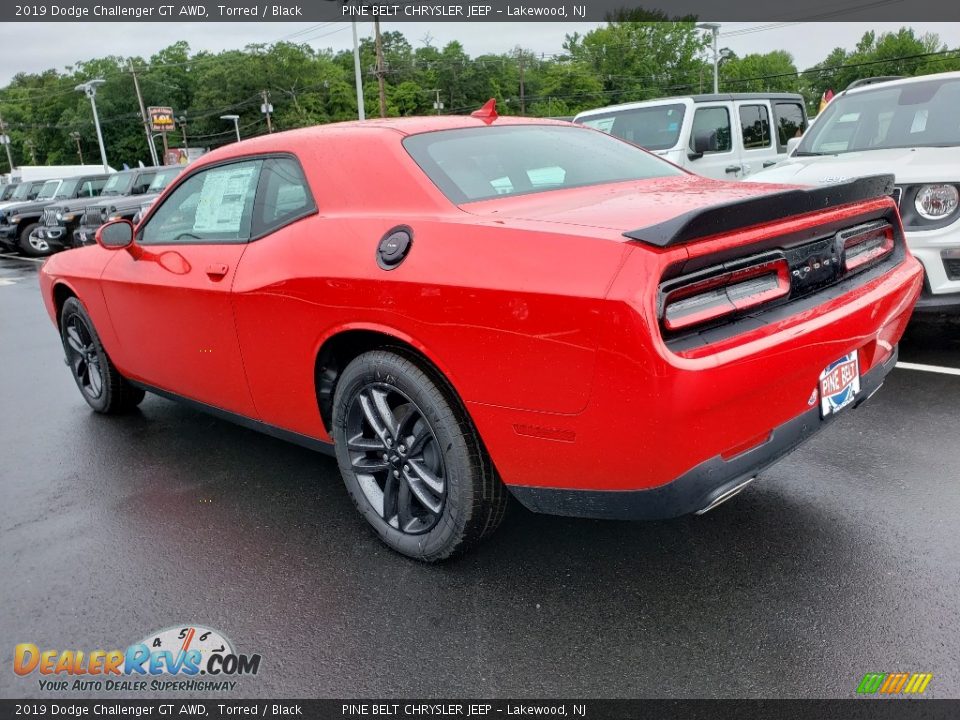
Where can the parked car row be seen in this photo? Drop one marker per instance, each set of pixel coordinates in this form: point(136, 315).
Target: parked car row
point(906, 126)
point(41, 217)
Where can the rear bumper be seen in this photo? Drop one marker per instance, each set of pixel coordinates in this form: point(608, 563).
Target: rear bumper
point(700, 486)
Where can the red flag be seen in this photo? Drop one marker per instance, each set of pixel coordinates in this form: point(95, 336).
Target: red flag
point(824, 101)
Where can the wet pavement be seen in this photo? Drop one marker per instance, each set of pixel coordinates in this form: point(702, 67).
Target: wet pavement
point(842, 560)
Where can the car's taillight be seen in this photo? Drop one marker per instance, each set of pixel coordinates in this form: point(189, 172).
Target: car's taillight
point(713, 297)
point(865, 246)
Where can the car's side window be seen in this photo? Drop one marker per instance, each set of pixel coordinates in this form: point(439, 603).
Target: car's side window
point(755, 126)
point(212, 206)
point(790, 123)
point(283, 196)
point(713, 125)
point(142, 183)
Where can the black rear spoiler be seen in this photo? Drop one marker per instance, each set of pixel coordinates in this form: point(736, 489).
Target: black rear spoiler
point(715, 219)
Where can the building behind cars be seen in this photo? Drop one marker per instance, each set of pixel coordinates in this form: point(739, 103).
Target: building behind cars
point(909, 127)
point(725, 136)
point(22, 173)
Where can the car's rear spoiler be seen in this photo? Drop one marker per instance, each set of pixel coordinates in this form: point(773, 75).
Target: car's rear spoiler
point(715, 219)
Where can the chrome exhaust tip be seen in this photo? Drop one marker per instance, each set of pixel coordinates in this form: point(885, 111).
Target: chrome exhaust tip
point(725, 495)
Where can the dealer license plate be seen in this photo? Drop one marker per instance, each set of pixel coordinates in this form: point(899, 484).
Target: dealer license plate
point(839, 384)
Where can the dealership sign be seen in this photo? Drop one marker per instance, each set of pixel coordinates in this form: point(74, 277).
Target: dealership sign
point(161, 119)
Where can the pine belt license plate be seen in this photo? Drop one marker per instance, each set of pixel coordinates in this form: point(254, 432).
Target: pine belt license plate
point(839, 384)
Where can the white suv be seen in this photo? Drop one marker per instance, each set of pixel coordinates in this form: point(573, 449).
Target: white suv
point(911, 128)
point(726, 136)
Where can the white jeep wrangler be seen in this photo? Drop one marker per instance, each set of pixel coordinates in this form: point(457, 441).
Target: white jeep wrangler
point(909, 127)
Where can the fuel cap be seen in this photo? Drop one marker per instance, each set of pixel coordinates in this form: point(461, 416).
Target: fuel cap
point(394, 247)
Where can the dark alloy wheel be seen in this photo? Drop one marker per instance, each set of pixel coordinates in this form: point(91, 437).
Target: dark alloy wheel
point(83, 358)
point(396, 459)
point(411, 458)
point(100, 383)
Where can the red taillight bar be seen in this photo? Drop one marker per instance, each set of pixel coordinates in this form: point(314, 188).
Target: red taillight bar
point(726, 293)
point(866, 247)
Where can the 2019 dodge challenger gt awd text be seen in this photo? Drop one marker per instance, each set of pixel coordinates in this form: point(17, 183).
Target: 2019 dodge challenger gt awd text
point(460, 308)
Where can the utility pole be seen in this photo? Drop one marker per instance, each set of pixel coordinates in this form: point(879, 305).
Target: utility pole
point(438, 105)
point(143, 116)
point(5, 139)
point(76, 138)
point(183, 129)
point(357, 75)
point(380, 70)
point(266, 108)
point(29, 144)
point(523, 101)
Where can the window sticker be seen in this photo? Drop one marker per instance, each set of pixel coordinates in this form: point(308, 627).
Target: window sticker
point(222, 199)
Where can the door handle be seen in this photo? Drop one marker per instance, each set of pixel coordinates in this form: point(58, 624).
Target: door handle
point(216, 271)
point(770, 163)
point(733, 168)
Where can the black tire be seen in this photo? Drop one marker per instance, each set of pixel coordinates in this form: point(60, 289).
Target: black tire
point(422, 522)
point(100, 383)
point(29, 250)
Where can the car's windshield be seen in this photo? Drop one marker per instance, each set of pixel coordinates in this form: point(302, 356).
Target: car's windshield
point(918, 114)
point(118, 184)
point(654, 128)
point(162, 179)
point(68, 189)
point(23, 191)
point(479, 163)
point(48, 190)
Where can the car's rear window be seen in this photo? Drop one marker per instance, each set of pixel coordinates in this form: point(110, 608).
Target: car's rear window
point(480, 163)
point(656, 127)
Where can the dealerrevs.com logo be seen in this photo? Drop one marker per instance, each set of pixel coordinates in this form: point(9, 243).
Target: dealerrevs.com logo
point(187, 657)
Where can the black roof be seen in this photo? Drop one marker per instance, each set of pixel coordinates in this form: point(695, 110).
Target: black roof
point(743, 96)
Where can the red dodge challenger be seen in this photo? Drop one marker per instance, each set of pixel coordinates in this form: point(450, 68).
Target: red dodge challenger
point(459, 308)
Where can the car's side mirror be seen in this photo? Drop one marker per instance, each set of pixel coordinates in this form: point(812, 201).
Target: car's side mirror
point(792, 144)
point(701, 145)
point(115, 235)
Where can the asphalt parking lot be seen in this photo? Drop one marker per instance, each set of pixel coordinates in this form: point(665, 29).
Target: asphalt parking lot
point(844, 559)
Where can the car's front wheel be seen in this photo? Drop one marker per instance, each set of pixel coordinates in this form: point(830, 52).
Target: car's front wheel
point(411, 459)
point(33, 246)
point(100, 383)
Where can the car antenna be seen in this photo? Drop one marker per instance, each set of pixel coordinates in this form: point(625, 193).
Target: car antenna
point(488, 113)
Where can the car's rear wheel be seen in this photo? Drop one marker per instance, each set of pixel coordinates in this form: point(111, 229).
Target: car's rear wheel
point(100, 383)
point(411, 459)
point(33, 247)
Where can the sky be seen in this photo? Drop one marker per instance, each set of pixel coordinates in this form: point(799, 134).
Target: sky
point(34, 47)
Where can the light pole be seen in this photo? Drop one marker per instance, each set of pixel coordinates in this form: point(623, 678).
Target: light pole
point(714, 28)
point(356, 73)
point(236, 123)
point(76, 138)
point(5, 141)
point(90, 90)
